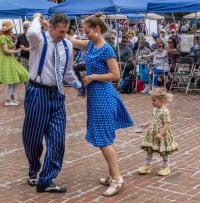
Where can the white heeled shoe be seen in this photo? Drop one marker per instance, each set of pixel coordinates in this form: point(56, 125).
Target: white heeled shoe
point(114, 188)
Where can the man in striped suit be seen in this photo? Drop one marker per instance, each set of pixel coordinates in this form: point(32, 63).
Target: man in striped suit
point(51, 59)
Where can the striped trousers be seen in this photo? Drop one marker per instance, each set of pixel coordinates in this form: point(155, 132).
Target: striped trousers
point(45, 117)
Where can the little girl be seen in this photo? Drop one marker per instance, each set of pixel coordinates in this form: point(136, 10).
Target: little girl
point(159, 138)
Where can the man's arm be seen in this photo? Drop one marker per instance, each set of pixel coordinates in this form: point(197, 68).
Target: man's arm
point(34, 33)
point(70, 76)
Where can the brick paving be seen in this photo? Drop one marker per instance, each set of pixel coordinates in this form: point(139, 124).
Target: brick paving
point(83, 164)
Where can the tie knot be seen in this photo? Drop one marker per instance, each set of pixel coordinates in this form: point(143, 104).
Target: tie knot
point(55, 44)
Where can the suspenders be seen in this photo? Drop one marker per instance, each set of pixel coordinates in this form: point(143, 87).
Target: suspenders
point(44, 52)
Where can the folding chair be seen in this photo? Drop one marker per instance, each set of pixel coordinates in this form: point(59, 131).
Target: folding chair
point(132, 72)
point(194, 81)
point(182, 74)
point(164, 75)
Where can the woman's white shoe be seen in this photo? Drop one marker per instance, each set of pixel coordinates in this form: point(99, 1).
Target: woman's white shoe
point(106, 181)
point(115, 187)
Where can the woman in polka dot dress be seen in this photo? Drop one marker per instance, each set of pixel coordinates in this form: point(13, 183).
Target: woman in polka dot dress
point(106, 112)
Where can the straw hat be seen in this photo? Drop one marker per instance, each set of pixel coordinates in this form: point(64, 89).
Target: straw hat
point(163, 30)
point(7, 25)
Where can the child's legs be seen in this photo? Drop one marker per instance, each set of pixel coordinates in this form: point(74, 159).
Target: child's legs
point(165, 161)
point(148, 158)
point(110, 156)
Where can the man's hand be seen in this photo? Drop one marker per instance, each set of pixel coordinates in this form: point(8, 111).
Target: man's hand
point(88, 79)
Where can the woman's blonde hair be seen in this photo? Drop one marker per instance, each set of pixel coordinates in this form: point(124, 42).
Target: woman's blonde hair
point(130, 33)
point(161, 94)
point(96, 20)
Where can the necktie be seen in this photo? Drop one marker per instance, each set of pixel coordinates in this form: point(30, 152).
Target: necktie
point(56, 61)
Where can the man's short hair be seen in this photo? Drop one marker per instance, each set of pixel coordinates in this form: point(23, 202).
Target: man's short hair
point(58, 18)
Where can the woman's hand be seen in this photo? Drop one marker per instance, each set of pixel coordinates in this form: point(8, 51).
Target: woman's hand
point(88, 79)
point(16, 51)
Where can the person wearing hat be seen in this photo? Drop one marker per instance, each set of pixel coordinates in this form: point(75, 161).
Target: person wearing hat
point(23, 43)
point(163, 36)
point(11, 71)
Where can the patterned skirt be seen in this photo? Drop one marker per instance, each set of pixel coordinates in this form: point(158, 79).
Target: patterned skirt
point(165, 146)
point(11, 71)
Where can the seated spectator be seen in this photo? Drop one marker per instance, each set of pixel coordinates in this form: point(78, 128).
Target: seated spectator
point(110, 40)
point(81, 34)
point(157, 41)
point(132, 39)
point(173, 53)
point(163, 36)
point(142, 62)
point(198, 33)
point(175, 36)
point(160, 66)
point(126, 56)
point(114, 37)
point(197, 49)
point(141, 37)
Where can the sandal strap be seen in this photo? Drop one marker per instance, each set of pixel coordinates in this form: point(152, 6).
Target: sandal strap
point(118, 181)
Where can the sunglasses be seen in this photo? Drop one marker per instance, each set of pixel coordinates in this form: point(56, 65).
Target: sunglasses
point(159, 46)
point(124, 41)
point(172, 32)
point(170, 42)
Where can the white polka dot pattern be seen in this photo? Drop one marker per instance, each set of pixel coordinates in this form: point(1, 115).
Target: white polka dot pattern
point(106, 112)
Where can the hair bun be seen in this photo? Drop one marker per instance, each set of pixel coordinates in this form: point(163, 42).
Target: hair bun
point(98, 15)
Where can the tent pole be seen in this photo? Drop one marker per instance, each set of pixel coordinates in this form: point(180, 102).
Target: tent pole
point(195, 27)
point(77, 26)
point(15, 26)
point(118, 50)
point(137, 52)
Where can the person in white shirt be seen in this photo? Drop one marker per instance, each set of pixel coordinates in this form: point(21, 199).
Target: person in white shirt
point(163, 36)
point(51, 60)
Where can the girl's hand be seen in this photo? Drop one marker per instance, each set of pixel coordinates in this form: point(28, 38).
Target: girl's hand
point(159, 136)
point(144, 125)
point(88, 79)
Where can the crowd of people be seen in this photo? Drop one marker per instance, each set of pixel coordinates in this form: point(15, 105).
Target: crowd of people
point(50, 54)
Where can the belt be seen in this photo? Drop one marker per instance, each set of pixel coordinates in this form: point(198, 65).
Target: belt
point(40, 85)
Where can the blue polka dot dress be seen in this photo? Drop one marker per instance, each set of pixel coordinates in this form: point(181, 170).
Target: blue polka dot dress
point(106, 112)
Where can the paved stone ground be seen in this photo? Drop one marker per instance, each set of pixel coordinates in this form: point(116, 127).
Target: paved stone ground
point(83, 164)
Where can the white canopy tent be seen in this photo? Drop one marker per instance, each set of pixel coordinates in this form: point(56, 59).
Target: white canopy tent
point(192, 15)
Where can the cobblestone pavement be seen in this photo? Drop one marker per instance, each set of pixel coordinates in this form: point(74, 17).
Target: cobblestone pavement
point(83, 164)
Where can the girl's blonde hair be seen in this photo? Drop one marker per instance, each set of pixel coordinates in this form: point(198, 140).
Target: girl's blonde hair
point(161, 94)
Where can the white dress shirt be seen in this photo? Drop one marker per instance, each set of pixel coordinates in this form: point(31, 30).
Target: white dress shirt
point(48, 76)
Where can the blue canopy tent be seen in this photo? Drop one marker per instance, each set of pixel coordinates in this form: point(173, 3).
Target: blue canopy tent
point(78, 7)
point(22, 8)
point(164, 6)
